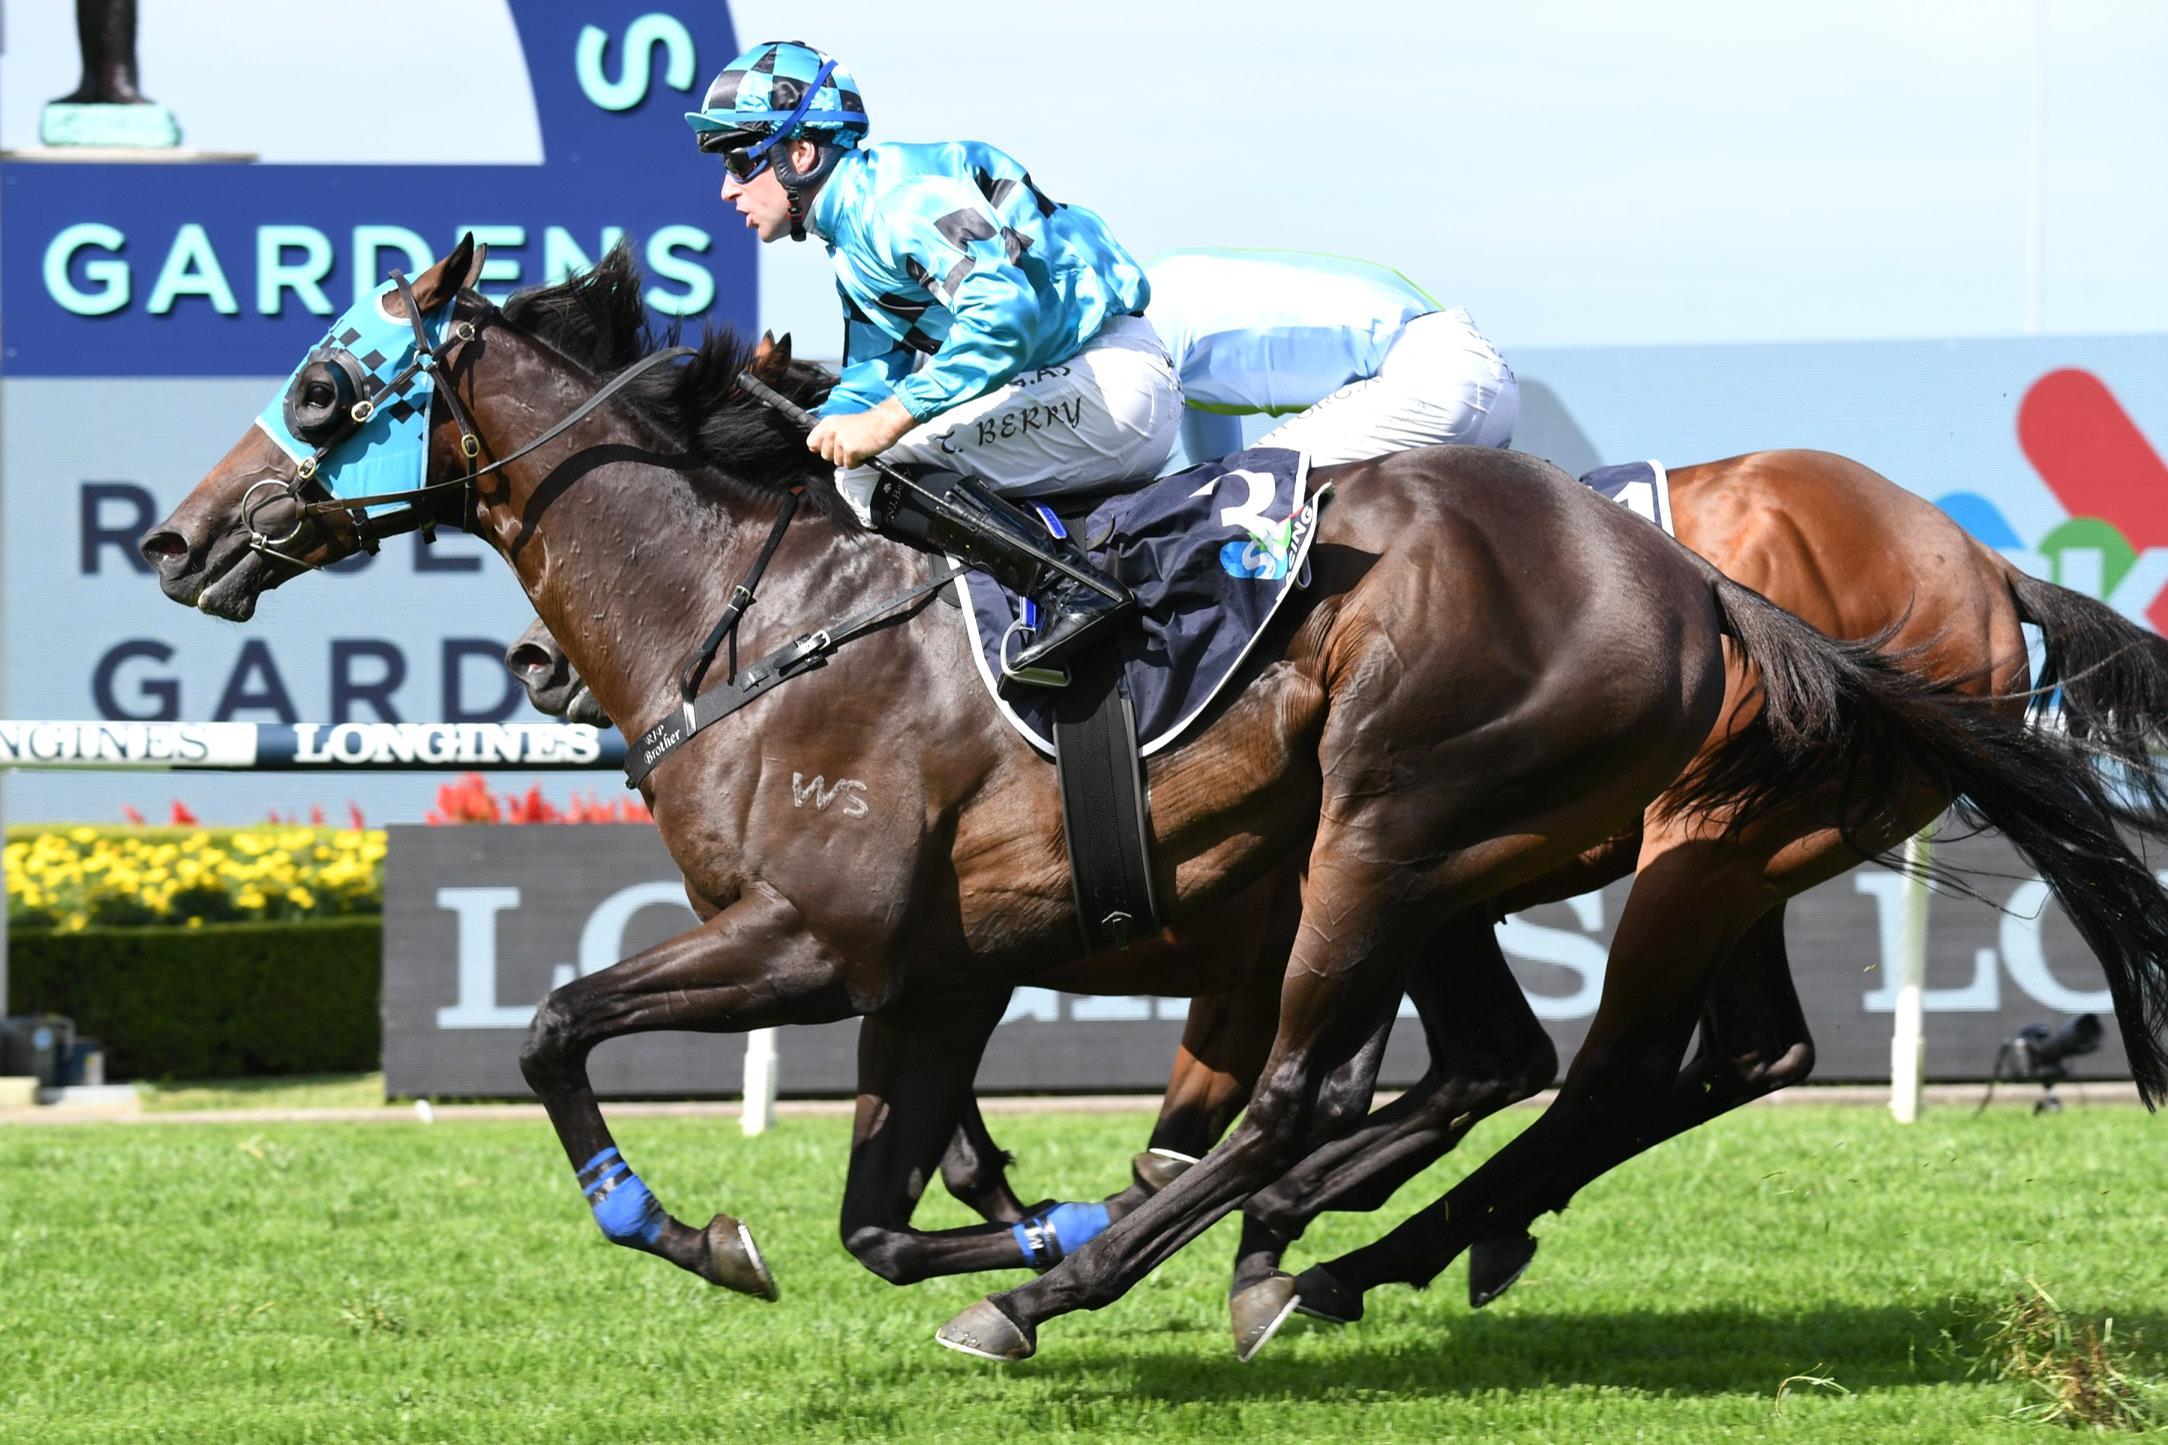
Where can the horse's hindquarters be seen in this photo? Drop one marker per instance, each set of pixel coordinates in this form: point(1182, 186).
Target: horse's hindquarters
point(1517, 670)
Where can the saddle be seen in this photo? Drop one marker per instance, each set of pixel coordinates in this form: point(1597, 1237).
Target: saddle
point(1211, 553)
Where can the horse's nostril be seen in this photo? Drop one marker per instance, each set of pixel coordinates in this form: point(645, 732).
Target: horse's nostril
point(161, 547)
point(527, 658)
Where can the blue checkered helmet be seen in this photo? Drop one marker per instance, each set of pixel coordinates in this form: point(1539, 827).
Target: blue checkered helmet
point(780, 90)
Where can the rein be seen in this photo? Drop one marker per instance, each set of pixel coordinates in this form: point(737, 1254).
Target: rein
point(809, 651)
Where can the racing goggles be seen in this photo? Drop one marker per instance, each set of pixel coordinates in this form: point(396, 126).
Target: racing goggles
point(745, 163)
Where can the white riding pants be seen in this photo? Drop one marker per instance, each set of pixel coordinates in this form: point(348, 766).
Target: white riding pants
point(1441, 382)
point(1108, 414)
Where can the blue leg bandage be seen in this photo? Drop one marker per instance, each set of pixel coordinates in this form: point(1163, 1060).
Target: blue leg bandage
point(1044, 1239)
point(627, 1213)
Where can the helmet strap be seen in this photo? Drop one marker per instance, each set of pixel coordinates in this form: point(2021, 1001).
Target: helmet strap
point(800, 186)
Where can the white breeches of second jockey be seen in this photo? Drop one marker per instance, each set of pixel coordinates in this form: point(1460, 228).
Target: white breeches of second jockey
point(1441, 382)
point(1108, 414)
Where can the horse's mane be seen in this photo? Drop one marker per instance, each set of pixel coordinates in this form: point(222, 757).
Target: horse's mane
point(597, 320)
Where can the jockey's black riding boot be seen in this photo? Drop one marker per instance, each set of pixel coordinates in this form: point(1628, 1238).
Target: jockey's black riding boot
point(963, 516)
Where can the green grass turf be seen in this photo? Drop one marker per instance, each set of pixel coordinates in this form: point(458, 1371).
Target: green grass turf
point(298, 1091)
point(394, 1281)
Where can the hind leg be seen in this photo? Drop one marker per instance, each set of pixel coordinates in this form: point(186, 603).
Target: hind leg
point(1487, 1050)
point(1690, 905)
point(1361, 922)
point(1754, 1041)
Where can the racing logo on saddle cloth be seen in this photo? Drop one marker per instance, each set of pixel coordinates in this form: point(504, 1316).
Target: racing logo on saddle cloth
point(1211, 553)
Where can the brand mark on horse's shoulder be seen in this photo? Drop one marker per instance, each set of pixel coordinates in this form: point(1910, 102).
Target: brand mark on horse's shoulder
point(849, 790)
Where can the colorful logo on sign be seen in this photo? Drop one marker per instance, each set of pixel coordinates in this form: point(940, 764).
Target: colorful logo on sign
point(2109, 477)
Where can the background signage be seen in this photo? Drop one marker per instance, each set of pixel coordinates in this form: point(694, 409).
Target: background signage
point(481, 922)
point(150, 309)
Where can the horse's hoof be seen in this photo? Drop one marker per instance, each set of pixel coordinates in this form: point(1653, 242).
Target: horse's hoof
point(1155, 1169)
point(1493, 1266)
point(1321, 1297)
point(733, 1260)
point(1258, 1312)
point(983, 1330)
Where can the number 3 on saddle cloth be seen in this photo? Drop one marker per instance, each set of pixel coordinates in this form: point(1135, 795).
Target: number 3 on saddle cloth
point(1210, 553)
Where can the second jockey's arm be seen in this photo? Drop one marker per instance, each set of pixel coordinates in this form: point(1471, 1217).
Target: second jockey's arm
point(851, 438)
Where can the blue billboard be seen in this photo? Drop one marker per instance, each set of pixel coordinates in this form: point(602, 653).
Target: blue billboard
point(218, 269)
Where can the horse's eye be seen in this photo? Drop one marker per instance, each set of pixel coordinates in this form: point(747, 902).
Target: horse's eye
point(316, 406)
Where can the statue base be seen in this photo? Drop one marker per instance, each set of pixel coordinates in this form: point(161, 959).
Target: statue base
point(143, 126)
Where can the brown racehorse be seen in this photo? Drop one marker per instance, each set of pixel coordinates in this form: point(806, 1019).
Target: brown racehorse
point(1493, 672)
point(1820, 534)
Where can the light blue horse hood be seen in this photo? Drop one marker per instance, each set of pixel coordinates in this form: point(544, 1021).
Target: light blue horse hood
point(390, 451)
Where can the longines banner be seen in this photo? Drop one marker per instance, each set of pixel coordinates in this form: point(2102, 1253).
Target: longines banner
point(481, 922)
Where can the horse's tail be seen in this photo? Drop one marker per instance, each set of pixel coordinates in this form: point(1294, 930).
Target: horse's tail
point(2105, 680)
point(1842, 722)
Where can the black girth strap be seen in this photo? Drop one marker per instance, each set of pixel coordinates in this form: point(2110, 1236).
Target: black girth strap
point(770, 672)
point(741, 597)
point(1104, 813)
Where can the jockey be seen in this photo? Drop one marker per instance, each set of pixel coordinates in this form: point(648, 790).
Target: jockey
point(1369, 361)
point(989, 331)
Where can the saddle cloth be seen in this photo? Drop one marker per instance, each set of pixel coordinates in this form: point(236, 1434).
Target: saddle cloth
point(1643, 488)
point(1211, 553)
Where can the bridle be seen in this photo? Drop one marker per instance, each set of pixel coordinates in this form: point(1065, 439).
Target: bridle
point(432, 356)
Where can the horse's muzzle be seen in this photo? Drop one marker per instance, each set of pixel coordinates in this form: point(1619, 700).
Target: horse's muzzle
point(215, 577)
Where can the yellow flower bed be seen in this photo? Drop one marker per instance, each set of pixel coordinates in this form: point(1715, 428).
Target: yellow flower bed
point(73, 878)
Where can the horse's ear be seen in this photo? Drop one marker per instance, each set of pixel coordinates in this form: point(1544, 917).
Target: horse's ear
point(443, 281)
point(771, 358)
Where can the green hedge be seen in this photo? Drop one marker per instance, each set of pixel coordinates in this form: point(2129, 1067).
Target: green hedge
point(219, 1001)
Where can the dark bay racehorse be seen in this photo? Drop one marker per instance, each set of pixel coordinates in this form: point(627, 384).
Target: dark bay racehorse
point(1471, 695)
point(1820, 534)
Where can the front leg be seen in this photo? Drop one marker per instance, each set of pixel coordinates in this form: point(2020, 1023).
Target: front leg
point(915, 1066)
point(975, 1170)
point(1345, 975)
point(752, 965)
